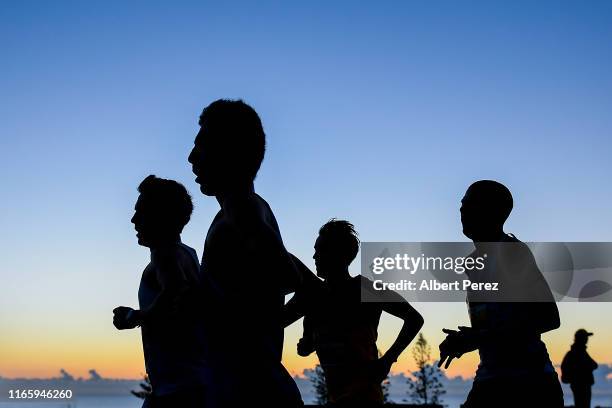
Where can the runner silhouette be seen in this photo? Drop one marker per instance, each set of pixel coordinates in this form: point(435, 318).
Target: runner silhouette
point(340, 327)
point(245, 267)
point(515, 369)
point(172, 337)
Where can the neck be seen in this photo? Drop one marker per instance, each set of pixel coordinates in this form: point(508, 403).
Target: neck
point(234, 192)
point(166, 242)
point(492, 236)
point(339, 278)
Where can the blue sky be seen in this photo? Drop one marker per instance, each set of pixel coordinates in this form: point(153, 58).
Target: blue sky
point(380, 113)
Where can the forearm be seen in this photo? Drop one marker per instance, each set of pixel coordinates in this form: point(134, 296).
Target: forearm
point(291, 314)
point(408, 332)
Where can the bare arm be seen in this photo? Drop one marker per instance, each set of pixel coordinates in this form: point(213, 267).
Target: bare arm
point(253, 220)
point(304, 295)
point(173, 283)
point(305, 345)
point(534, 308)
point(397, 306)
point(292, 311)
point(529, 318)
point(413, 321)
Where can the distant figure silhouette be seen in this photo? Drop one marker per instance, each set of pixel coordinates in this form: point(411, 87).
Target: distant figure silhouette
point(245, 266)
point(340, 327)
point(171, 336)
point(515, 369)
point(577, 369)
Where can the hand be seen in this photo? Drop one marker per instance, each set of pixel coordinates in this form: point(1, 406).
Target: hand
point(447, 352)
point(449, 348)
point(457, 343)
point(125, 318)
point(381, 368)
point(304, 347)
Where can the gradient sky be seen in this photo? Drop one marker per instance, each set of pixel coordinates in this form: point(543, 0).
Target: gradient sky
point(379, 113)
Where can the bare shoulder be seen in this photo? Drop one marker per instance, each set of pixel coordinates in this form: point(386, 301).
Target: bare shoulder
point(364, 282)
point(187, 255)
point(249, 212)
point(516, 256)
point(149, 271)
point(253, 218)
point(366, 287)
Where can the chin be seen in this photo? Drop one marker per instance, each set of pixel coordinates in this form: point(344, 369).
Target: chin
point(206, 190)
point(467, 233)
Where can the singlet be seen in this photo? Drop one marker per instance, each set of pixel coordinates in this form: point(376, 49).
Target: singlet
point(343, 331)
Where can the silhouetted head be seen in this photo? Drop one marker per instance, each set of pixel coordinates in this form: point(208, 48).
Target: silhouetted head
point(582, 336)
point(485, 207)
point(229, 148)
point(162, 210)
point(335, 248)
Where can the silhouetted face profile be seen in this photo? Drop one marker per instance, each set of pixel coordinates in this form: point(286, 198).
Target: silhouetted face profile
point(484, 209)
point(229, 148)
point(335, 249)
point(162, 210)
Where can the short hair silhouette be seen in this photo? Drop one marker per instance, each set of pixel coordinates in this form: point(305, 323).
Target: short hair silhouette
point(234, 128)
point(169, 199)
point(342, 233)
point(495, 196)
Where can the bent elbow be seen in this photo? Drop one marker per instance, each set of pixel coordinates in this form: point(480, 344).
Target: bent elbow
point(418, 321)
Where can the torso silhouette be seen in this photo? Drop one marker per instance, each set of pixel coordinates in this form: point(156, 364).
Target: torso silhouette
point(173, 345)
point(244, 267)
point(343, 331)
point(579, 365)
point(524, 353)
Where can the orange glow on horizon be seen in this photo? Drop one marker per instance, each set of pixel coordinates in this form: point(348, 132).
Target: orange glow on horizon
point(116, 354)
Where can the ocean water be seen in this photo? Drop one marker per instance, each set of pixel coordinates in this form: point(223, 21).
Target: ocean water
point(133, 402)
point(81, 402)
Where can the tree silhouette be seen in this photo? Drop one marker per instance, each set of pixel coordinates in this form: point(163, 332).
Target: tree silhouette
point(386, 384)
point(317, 378)
point(426, 387)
